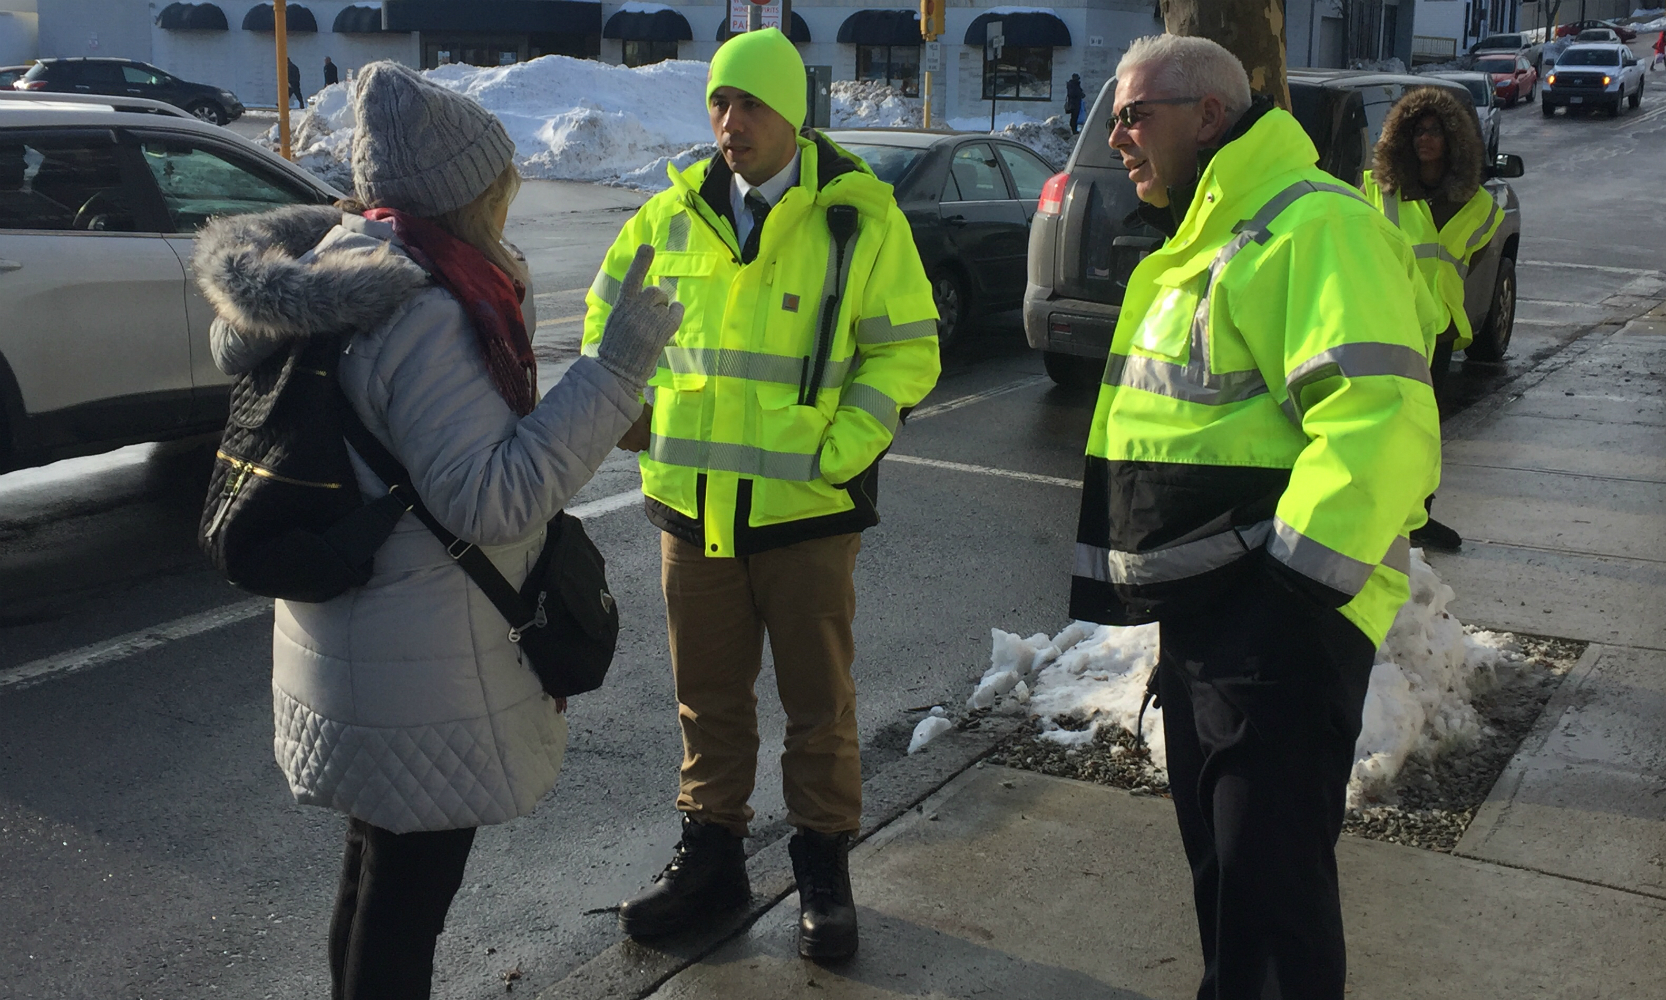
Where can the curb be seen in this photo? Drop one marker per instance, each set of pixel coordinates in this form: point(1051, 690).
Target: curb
point(629, 970)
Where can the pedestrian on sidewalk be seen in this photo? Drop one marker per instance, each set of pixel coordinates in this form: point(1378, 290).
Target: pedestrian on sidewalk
point(1073, 102)
point(330, 74)
point(810, 329)
point(295, 93)
point(1659, 51)
point(403, 703)
point(1248, 485)
point(1426, 178)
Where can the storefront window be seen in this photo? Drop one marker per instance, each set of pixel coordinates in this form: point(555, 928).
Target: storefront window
point(896, 65)
point(1020, 74)
point(644, 53)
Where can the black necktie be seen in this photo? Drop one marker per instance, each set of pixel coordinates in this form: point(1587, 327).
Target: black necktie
point(759, 208)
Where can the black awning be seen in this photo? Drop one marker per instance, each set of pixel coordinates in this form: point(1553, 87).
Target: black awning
point(1026, 29)
point(295, 18)
point(881, 27)
point(192, 17)
point(799, 35)
point(358, 20)
point(648, 26)
point(564, 17)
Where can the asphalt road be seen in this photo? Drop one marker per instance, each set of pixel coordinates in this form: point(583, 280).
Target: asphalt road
point(149, 847)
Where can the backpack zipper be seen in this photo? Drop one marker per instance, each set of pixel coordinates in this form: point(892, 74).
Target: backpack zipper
point(242, 469)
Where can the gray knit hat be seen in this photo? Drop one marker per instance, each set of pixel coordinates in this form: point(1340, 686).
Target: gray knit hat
point(419, 147)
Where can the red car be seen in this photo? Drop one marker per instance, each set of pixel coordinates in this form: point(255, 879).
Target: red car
point(1625, 33)
point(1513, 78)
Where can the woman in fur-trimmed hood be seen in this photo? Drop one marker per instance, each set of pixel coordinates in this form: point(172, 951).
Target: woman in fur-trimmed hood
point(403, 703)
point(1426, 177)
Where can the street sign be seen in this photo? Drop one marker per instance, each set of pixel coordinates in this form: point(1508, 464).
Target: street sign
point(932, 59)
point(995, 38)
point(739, 14)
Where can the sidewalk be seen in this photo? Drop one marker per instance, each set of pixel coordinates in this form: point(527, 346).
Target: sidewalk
point(1010, 884)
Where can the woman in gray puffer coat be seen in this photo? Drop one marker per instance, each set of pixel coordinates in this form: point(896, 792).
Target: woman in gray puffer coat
point(403, 703)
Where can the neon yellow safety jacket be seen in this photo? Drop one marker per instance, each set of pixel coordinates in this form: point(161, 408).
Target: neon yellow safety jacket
point(1443, 254)
point(1267, 389)
point(782, 389)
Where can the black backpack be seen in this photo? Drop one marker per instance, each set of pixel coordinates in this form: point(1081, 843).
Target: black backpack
point(284, 517)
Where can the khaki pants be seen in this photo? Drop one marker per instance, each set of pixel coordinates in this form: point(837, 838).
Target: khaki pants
point(718, 610)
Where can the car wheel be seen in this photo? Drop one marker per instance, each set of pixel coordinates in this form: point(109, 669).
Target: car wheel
point(207, 111)
point(1637, 96)
point(1073, 371)
point(1549, 108)
point(1614, 108)
point(1493, 338)
point(1533, 92)
point(1512, 101)
point(948, 293)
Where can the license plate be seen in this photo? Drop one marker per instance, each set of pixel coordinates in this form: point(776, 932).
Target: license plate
point(1576, 100)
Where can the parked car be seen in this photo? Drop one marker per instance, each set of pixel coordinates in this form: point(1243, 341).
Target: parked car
point(1481, 89)
point(1512, 42)
point(106, 337)
point(1575, 27)
point(1594, 76)
point(969, 198)
point(1597, 35)
point(130, 78)
point(1083, 250)
point(10, 75)
point(1513, 78)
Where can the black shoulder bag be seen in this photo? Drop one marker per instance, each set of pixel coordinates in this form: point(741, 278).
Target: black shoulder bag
point(564, 619)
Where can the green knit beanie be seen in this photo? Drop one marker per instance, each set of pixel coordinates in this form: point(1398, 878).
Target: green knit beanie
point(765, 65)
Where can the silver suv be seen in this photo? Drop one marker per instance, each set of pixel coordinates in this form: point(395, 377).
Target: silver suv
point(1084, 242)
point(105, 337)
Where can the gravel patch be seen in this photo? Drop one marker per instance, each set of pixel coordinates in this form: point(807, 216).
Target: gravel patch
point(1434, 799)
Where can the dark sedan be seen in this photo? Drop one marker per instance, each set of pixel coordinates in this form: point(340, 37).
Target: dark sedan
point(131, 78)
point(969, 197)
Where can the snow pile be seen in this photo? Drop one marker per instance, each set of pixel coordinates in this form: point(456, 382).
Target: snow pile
point(932, 726)
point(1389, 65)
point(1419, 701)
point(1658, 24)
point(867, 104)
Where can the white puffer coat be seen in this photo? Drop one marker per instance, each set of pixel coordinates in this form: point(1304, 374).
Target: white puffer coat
point(403, 702)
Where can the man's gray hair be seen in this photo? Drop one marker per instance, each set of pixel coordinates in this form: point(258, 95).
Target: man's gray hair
point(1185, 66)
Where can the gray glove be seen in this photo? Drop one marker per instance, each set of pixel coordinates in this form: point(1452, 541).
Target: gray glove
point(643, 321)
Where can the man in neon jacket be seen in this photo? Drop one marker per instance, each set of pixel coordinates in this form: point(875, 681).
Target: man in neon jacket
point(808, 328)
point(1262, 442)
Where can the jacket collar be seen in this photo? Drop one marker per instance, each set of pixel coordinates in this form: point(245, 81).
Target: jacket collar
point(835, 175)
point(1167, 219)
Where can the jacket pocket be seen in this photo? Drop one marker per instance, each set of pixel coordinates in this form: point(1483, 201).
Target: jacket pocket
point(1166, 328)
point(683, 264)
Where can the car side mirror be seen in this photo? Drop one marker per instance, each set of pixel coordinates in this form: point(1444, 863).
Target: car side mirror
point(1508, 165)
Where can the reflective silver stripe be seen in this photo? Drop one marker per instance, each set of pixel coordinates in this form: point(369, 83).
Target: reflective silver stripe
point(1352, 361)
point(1439, 252)
point(648, 394)
point(1275, 206)
point(1318, 561)
point(715, 456)
point(878, 330)
point(676, 233)
point(1391, 208)
point(1399, 555)
point(872, 402)
point(1176, 382)
point(1477, 238)
point(1176, 562)
point(606, 287)
point(751, 365)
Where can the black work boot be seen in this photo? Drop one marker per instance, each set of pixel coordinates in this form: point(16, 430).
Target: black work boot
point(826, 912)
point(1437, 536)
point(705, 879)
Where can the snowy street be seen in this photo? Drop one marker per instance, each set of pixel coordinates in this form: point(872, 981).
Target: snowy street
point(149, 846)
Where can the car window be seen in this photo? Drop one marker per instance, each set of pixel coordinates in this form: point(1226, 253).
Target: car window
point(1495, 66)
point(977, 175)
point(1029, 173)
point(63, 186)
point(889, 163)
point(1590, 57)
point(1500, 42)
point(199, 183)
point(133, 74)
point(101, 74)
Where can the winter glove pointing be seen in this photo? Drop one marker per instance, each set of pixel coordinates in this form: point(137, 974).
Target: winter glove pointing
point(642, 322)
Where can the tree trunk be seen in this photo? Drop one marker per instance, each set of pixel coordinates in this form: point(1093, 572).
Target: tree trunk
point(1252, 30)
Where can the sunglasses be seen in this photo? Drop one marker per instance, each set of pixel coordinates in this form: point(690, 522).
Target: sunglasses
point(1130, 115)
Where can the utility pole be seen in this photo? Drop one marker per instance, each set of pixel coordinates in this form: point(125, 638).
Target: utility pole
point(1252, 30)
point(931, 26)
point(280, 29)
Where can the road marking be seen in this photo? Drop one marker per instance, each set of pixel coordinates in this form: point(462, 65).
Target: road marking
point(606, 505)
point(560, 321)
point(1590, 267)
point(1540, 322)
point(1562, 304)
point(976, 397)
point(983, 470)
point(123, 646)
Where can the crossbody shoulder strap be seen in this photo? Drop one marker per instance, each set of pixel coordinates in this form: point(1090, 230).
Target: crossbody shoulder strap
point(466, 554)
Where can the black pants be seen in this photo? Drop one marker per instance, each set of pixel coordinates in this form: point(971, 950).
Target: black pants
point(1261, 708)
point(1440, 368)
point(390, 908)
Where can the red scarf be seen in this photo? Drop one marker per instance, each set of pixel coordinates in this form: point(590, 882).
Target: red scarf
point(491, 300)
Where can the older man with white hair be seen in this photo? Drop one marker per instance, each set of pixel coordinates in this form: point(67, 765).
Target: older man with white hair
point(1263, 440)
